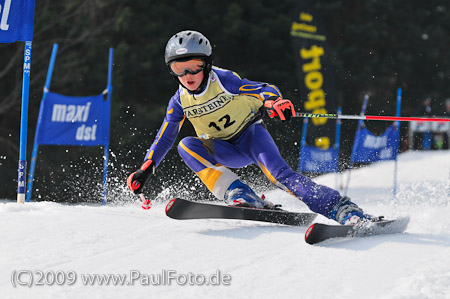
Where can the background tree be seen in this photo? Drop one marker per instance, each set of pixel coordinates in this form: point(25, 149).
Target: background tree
point(376, 46)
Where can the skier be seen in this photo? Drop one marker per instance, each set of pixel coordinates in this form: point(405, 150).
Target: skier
point(226, 112)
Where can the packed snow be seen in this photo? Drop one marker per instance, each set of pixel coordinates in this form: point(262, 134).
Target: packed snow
point(51, 250)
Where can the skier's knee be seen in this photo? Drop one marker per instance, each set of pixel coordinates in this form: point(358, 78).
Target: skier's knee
point(187, 143)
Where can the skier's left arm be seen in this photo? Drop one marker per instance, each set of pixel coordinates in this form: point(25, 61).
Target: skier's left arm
point(168, 132)
point(272, 98)
point(161, 145)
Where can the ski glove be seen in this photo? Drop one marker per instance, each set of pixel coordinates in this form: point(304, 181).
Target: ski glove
point(137, 179)
point(278, 107)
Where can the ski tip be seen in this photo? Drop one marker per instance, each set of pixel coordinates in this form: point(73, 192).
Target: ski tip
point(308, 232)
point(170, 204)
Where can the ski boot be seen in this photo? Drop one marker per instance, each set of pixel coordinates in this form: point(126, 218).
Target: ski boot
point(348, 213)
point(241, 195)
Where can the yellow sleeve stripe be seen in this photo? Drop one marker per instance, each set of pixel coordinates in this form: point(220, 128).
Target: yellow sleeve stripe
point(170, 111)
point(150, 155)
point(162, 132)
point(236, 74)
point(274, 87)
point(249, 87)
point(181, 123)
point(270, 94)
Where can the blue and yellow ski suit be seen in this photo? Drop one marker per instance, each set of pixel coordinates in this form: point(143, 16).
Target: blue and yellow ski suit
point(226, 116)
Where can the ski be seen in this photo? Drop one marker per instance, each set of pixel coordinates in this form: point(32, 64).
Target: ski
point(179, 208)
point(319, 232)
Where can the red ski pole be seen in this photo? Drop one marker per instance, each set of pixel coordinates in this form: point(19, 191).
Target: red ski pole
point(146, 203)
point(371, 117)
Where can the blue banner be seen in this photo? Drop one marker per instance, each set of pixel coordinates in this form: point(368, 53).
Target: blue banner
point(16, 20)
point(371, 148)
point(65, 120)
point(316, 160)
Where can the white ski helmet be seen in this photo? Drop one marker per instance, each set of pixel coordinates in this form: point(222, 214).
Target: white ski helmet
point(187, 44)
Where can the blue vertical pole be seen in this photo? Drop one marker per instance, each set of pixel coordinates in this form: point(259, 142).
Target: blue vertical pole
point(355, 142)
point(106, 149)
point(337, 143)
point(36, 135)
point(360, 124)
point(24, 123)
point(303, 144)
point(397, 127)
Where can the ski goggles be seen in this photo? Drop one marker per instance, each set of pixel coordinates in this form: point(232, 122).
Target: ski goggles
point(181, 68)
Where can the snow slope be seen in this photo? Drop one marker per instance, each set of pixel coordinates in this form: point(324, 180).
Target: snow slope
point(262, 260)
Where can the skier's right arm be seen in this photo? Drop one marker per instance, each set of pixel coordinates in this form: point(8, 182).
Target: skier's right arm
point(163, 142)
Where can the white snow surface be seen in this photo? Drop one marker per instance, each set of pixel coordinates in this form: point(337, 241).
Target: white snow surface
point(262, 260)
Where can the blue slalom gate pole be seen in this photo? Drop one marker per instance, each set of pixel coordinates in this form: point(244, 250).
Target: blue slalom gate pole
point(303, 144)
point(337, 143)
point(106, 149)
point(24, 123)
point(36, 145)
point(338, 129)
point(355, 142)
point(397, 126)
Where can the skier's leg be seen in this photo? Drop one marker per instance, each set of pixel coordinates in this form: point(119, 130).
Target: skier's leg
point(264, 152)
point(209, 159)
point(202, 161)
